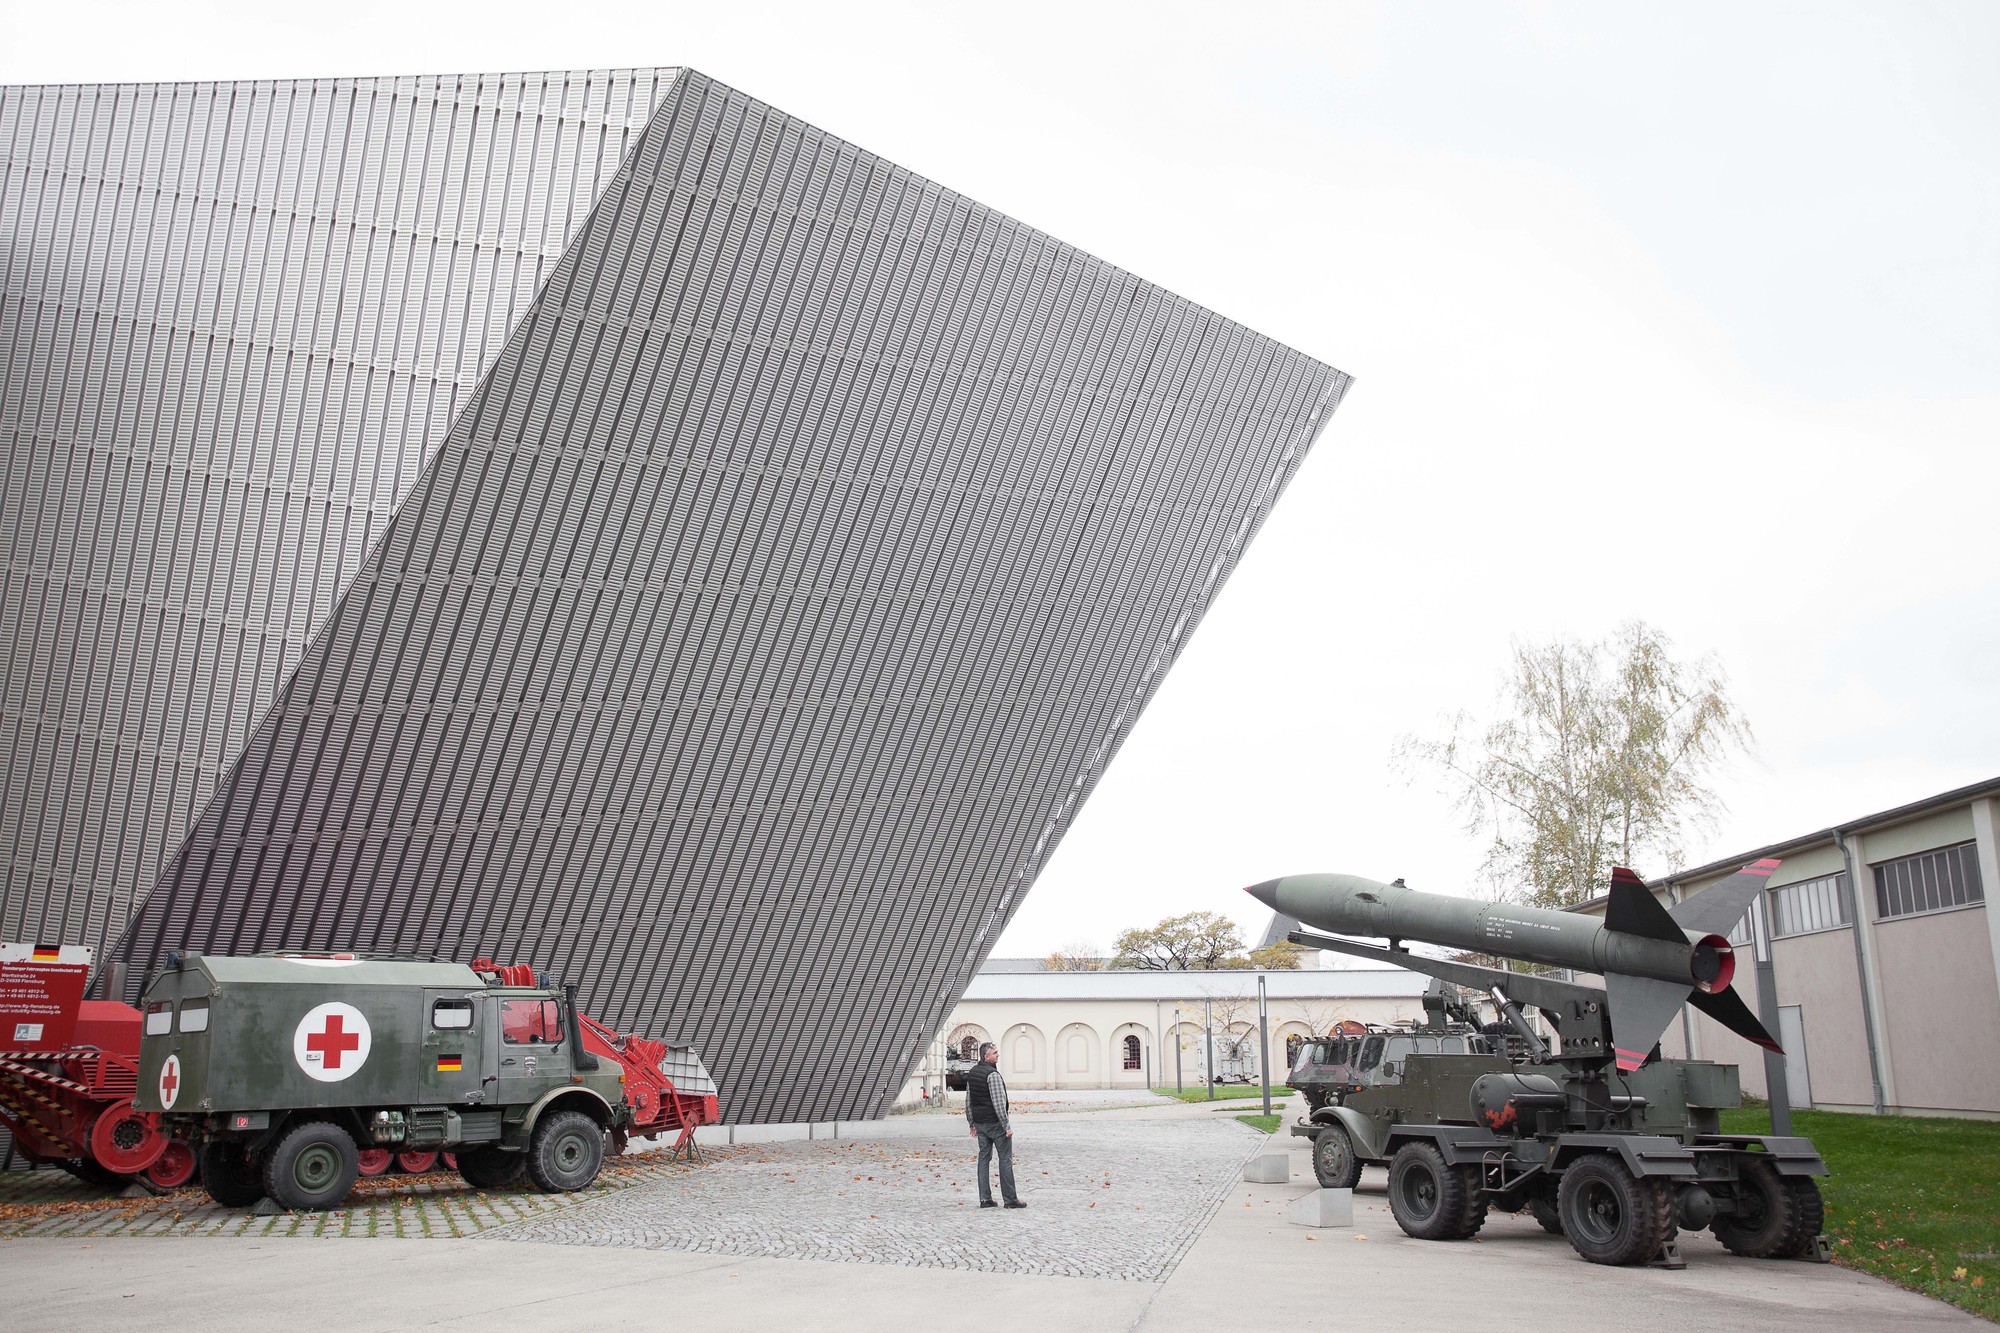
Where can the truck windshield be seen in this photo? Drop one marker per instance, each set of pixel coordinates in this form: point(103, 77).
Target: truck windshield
point(530, 1022)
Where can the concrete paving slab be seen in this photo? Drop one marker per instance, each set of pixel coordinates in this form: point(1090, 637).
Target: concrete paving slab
point(1250, 1262)
point(1197, 1248)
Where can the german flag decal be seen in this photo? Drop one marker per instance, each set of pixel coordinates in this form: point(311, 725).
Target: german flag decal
point(46, 954)
point(450, 1064)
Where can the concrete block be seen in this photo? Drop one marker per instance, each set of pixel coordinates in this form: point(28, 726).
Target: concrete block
point(1271, 1168)
point(1323, 1208)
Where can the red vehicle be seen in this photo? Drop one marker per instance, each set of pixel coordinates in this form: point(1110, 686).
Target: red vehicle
point(68, 1067)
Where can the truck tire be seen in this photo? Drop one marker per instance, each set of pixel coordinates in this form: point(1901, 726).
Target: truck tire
point(1433, 1201)
point(1334, 1163)
point(1542, 1207)
point(175, 1167)
point(373, 1161)
point(1770, 1220)
point(227, 1176)
point(312, 1167)
point(492, 1169)
point(416, 1163)
point(567, 1150)
point(1811, 1209)
point(1612, 1216)
point(94, 1174)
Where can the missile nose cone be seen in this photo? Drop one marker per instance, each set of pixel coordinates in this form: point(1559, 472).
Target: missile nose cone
point(1265, 893)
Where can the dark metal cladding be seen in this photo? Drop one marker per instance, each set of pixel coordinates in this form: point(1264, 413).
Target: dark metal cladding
point(770, 610)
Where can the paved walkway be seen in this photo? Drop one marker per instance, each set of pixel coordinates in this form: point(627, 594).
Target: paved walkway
point(1137, 1220)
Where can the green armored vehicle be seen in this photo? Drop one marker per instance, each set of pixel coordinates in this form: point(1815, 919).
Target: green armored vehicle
point(283, 1066)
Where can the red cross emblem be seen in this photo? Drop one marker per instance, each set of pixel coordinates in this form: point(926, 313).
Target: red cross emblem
point(170, 1081)
point(332, 1041)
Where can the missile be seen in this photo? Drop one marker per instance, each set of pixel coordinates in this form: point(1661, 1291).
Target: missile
point(1653, 959)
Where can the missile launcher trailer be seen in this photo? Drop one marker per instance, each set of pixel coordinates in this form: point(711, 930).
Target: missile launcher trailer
point(1604, 1142)
point(284, 1067)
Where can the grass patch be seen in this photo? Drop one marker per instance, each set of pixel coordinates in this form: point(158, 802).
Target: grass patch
point(1914, 1200)
point(1263, 1124)
point(1226, 1093)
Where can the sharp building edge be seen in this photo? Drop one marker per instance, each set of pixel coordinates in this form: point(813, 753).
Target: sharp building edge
point(785, 567)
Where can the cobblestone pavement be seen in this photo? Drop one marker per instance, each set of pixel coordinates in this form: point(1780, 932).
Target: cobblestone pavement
point(52, 1203)
point(1106, 1199)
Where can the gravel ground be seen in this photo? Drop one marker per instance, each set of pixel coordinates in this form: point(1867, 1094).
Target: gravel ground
point(1106, 1199)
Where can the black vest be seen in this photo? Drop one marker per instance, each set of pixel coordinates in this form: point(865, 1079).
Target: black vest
point(979, 1094)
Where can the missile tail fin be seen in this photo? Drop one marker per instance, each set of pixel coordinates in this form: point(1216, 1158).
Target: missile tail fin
point(1634, 910)
point(1640, 1009)
point(1717, 909)
point(1727, 1008)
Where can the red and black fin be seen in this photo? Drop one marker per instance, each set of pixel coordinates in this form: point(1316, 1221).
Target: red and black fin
point(1634, 910)
point(1717, 909)
point(1640, 1009)
point(1727, 1008)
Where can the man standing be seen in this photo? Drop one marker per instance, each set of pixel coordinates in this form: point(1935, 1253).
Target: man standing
point(986, 1116)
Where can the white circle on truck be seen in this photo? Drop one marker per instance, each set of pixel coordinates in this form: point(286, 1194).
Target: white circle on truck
point(331, 1042)
point(170, 1082)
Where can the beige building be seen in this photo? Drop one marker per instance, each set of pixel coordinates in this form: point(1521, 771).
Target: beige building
point(1889, 998)
point(1130, 1029)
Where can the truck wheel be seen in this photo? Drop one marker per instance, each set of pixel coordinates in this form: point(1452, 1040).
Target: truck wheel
point(1612, 1216)
point(1542, 1206)
point(1334, 1162)
point(312, 1167)
point(372, 1161)
point(94, 1173)
point(566, 1153)
point(1433, 1201)
point(1768, 1222)
point(227, 1175)
point(1811, 1210)
point(174, 1168)
point(416, 1163)
point(492, 1169)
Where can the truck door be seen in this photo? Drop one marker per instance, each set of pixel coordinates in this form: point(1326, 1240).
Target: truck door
point(452, 1064)
point(531, 1030)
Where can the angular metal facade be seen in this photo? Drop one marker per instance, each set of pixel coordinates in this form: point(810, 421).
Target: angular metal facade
point(776, 598)
point(236, 321)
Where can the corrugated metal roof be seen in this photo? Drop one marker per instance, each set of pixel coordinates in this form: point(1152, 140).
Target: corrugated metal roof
point(1347, 983)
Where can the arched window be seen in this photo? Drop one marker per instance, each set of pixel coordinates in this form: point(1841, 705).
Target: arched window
point(967, 1047)
point(1131, 1052)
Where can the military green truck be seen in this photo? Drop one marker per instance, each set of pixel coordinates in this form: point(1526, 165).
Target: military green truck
point(282, 1067)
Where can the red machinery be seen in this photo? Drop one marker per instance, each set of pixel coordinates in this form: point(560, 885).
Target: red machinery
point(669, 1088)
point(68, 1067)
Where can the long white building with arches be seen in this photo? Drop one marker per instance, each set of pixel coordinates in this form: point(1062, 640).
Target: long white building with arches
point(1120, 1029)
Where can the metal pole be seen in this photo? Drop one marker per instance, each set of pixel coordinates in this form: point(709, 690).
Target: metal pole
point(1264, 1042)
point(1208, 1045)
point(1179, 1086)
point(1156, 1041)
point(1767, 1000)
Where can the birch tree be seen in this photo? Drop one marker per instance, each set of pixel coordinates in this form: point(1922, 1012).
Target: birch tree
point(1600, 754)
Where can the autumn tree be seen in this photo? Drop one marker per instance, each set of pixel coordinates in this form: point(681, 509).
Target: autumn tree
point(1192, 941)
point(1600, 755)
point(1078, 956)
point(1281, 956)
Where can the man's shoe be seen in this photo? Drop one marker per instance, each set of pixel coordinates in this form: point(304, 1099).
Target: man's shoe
point(1016, 1203)
point(988, 1203)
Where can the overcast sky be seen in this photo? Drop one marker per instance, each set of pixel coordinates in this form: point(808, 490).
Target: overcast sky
point(1688, 314)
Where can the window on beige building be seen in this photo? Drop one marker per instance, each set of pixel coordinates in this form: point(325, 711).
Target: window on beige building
point(1930, 882)
point(1131, 1052)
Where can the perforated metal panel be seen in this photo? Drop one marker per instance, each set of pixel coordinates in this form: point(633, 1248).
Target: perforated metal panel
point(236, 320)
point(772, 606)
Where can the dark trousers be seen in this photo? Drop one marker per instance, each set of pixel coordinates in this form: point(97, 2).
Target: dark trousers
point(990, 1138)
